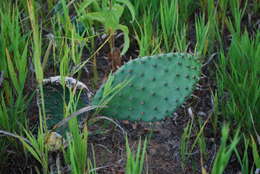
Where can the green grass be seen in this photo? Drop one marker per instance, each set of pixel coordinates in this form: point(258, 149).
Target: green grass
point(14, 60)
point(238, 82)
point(62, 37)
point(225, 151)
point(135, 161)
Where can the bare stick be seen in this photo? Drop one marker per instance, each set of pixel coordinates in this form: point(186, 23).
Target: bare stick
point(14, 136)
point(65, 120)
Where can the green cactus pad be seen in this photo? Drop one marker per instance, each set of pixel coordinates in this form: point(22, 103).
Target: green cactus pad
point(54, 97)
point(159, 85)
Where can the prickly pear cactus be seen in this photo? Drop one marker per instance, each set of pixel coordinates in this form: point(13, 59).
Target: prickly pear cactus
point(159, 85)
point(55, 96)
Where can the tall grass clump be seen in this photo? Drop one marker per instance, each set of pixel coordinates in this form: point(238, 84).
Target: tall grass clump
point(202, 35)
point(238, 94)
point(234, 24)
point(146, 37)
point(76, 154)
point(174, 29)
point(225, 151)
point(248, 159)
point(14, 72)
point(14, 66)
point(36, 145)
point(135, 161)
point(239, 82)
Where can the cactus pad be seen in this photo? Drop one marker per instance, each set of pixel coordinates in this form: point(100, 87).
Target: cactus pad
point(54, 98)
point(159, 85)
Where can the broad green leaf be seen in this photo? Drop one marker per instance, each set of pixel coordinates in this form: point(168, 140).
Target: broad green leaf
point(84, 5)
point(109, 18)
point(96, 16)
point(126, 38)
point(112, 17)
point(129, 6)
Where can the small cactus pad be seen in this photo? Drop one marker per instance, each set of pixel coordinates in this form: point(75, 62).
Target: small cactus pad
point(54, 97)
point(159, 85)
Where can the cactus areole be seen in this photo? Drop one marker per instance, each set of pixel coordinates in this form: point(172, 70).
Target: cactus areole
point(159, 85)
